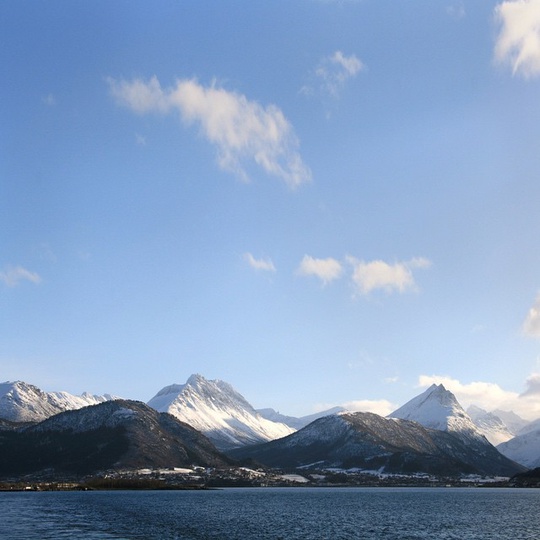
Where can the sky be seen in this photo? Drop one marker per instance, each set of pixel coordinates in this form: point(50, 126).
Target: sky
point(320, 202)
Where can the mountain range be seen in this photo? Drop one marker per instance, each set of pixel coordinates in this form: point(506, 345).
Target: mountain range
point(431, 432)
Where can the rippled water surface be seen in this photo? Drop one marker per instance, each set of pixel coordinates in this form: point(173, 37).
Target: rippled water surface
point(280, 513)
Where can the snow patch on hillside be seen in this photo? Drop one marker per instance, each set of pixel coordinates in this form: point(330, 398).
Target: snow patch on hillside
point(524, 448)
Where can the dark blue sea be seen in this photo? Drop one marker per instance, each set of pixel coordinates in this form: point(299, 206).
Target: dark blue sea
point(275, 513)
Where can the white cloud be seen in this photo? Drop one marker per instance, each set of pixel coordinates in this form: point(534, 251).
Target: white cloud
point(140, 140)
point(369, 276)
point(382, 407)
point(491, 396)
point(13, 275)
point(335, 70)
point(518, 41)
point(531, 325)
point(533, 385)
point(260, 264)
point(325, 269)
point(243, 131)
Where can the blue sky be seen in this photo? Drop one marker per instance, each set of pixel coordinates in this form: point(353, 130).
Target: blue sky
point(319, 202)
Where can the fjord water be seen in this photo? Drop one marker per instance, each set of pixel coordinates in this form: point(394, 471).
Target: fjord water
point(275, 513)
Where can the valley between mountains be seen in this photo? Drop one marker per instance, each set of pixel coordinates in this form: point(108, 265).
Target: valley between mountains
point(205, 425)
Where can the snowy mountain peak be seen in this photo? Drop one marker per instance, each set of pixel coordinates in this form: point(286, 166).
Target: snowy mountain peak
point(23, 402)
point(218, 410)
point(438, 408)
point(490, 425)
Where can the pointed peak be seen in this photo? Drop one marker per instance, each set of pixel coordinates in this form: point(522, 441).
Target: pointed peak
point(196, 378)
point(439, 388)
point(436, 408)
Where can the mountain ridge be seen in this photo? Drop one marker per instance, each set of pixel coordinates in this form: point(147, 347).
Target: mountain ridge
point(372, 442)
point(112, 435)
point(24, 402)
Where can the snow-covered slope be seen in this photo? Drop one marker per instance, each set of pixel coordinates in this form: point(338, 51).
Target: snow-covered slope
point(511, 420)
point(294, 422)
point(219, 411)
point(525, 447)
point(490, 425)
point(437, 408)
point(23, 402)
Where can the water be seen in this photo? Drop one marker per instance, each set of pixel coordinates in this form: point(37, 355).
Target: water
point(280, 513)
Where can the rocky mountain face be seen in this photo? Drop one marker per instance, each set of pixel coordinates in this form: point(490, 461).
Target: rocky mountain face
point(371, 442)
point(23, 402)
point(112, 435)
point(216, 409)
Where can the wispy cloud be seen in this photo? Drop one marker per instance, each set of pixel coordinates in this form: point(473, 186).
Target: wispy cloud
point(332, 74)
point(518, 40)
point(265, 264)
point(325, 269)
point(531, 325)
point(491, 396)
point(335, 70)
point(242, 131)
point(13, 275)
point(49, 100)
point(457, 10)
point(378, 274)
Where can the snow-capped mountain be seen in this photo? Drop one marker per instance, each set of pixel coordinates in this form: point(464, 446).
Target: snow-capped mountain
point(490, 425)
point(23, 402)
point(524, 448)
point(294, 422)
point(216, 409)
point(438, 408)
